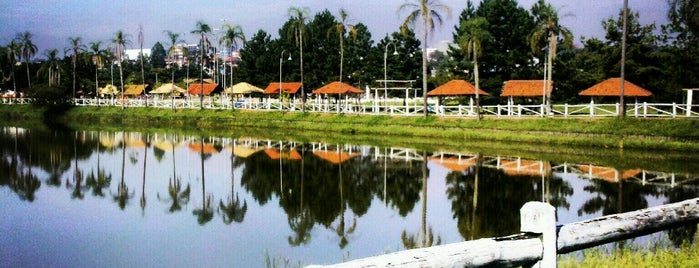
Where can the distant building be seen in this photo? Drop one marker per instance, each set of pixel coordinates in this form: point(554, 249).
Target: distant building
point(132, 54)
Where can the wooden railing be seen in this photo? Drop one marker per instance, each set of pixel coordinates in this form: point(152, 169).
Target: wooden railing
point(411, 107)
point(540, 240)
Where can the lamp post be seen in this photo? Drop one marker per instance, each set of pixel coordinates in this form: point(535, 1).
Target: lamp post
point(385, 79)
point(281, 57)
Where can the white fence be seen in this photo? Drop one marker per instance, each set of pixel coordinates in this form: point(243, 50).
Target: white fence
point(540, 241)
point(409, 107)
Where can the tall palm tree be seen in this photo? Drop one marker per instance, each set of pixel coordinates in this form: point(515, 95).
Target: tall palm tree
point(474, 34)
point(340, 29)
point(172, 51)
point(97, 56)
point(202, 29)
point(28, 49)
point(548, 30)
point(426, 12)
point(51, 65)
point(76, 46)
point(143, 76)
point(12, 52)
point(298, 25)
point(233, 37)
point(120, 41)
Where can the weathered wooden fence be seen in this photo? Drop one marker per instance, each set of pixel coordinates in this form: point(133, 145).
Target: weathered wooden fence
point(540, 240)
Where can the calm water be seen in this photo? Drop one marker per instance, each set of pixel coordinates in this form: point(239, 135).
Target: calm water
point(95, 199)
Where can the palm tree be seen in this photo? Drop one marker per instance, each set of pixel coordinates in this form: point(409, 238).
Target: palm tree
point(202, 29)
point(426, 12)
point(231, 37)
point(172, 51)
point(548, 30)
point(120, 40)
point(76, 47)
point(340, 29)
point(297, 27)
point(52, 65)
point(474, 34)
point(13, 49)
point(143, 76)
point(233, 210)
point(97, 61)
point(28, 50)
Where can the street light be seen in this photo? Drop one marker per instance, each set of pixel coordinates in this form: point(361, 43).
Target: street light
point(385, 79)
point(281, 56)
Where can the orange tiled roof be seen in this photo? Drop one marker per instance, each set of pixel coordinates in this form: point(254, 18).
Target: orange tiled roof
point(612, 87)
point(525, 167)
point(456, 87)
point(335, 157)
point(195, 89)
point(453, 163)
point(275, 154)
point(207, 149)
point(608, 173)
point(338, 88)
point(290, 87)
point(524, 88)
point(134, 90)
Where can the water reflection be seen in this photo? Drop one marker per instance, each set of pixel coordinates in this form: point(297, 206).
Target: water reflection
point(315, 200)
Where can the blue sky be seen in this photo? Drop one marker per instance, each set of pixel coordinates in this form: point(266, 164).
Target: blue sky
point(53, 21)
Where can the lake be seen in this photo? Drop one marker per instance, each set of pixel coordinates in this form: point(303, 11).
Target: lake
point(100, 198)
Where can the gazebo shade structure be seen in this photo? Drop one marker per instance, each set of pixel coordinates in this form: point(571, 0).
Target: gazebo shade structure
point(208, 89)
point(335, 157)
point(289, 87)
point(456, 88)
point(525, 88)
point(168, 88)
point(338, 88)
point(134, 90)
point(108, 89)
point(243, 88)
point(612, 87)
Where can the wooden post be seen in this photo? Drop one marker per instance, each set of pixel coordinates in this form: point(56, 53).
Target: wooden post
point(540, 218)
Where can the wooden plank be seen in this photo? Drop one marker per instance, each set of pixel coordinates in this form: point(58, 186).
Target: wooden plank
point(481, 252)
point(598, 231)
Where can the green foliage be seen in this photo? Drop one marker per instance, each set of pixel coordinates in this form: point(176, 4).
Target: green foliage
point(50, 96)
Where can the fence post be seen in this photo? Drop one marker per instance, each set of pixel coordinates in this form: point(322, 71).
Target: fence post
point(540, 218)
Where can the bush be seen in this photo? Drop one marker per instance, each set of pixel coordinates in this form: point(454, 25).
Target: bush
point(50, 96)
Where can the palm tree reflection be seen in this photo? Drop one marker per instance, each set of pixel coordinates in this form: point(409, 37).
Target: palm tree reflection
point(233, 211)
point(122, 197)
point(205, 214)
point(411, 241)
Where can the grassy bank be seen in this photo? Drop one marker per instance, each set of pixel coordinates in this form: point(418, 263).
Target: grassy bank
point(653, 255)
point(629, 133)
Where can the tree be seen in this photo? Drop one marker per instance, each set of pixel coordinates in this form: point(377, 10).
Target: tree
point(120, 40)
point(76, 46)
point(257, 64)
point(172, 51)
point(28, 49)
point(97, 60)
point(232, 38)
point(298, 18)
point(684, 19)
point(140, 56)
point(51, 66)
point(158, 55)
point(474, 34)
point(12, 51)
point(548, 28)
point(340, 28)
point(202, 29)
point(427, 12)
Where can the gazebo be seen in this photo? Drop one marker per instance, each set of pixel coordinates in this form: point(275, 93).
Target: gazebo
point(205, 89)
point(135, 90)
point(169, 88)
point(337, 88)
point(612, 87)
point(241, 89)
point(455, 88)
point(526, 89)
point(290, 88)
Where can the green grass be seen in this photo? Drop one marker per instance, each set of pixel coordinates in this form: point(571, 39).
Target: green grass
point(655, 254)
point(678, 134)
